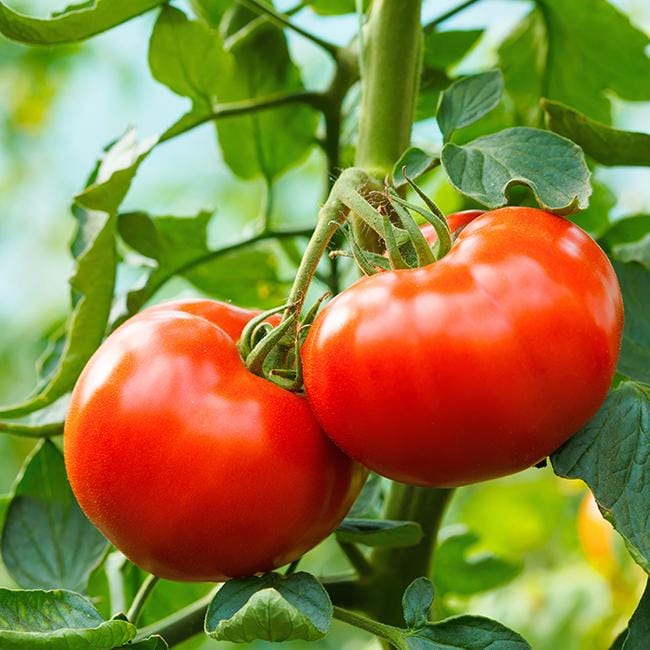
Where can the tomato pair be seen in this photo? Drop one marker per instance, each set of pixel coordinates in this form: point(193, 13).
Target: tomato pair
point(474, 367)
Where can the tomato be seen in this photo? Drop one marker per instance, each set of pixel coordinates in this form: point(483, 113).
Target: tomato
point(457, 221)
point(474, 367)
point(192, 466)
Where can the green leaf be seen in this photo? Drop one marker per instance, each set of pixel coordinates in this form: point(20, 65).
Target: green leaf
point(443, 49)
point(336, 7)
point(379, 532)
point(269, 142)
point(187, 56)
point(638, 632)
point(459, 571)
point(468, 100)
point(47, 541)
point(87, 20)
point(628, 239)
point(57, 620)
point(465, 633)
point(553, 167)
point(612, 455)
point(211, 11)
point(417, 601)
point(634, 360)
point(246, 270)
point(270, 608)
point(417, 162)
point(559, 52)
point(432, 82)
point(116, 173)
point(604, 144)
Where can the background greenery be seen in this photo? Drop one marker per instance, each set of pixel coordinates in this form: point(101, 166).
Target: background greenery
point(58, 109)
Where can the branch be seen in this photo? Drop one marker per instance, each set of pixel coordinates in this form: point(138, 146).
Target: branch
point(282, 20)
point(32, 430)
point(450, 14)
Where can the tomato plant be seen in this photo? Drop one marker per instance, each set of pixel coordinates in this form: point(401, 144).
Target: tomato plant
point(185, 470)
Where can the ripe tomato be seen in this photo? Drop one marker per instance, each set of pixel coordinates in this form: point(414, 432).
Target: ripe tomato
point(474, 367)
point(193, 467)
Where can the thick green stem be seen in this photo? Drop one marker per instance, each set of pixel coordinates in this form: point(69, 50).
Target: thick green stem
point(396, 568)
point(384, 632)
point(389, 92)
point(389, 84)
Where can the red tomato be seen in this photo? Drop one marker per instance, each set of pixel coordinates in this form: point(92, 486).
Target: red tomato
point(456, 221)
point(474, 367)
point(193, 467)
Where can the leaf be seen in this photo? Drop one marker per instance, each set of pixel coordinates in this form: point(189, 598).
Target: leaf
point(628, 239)
point(432, 82)
point(336, 7)
point(604, 144)
point(638, 632)
point(57, 620)
point(269, 142)
point(210, 11)
point(93, 281)
point(116, 173)
point(379, 532)
point(70, 26)
point(47, 541)
point(465, 633)
point(553, 167)
point(612, 455)
point(443, 49)
point(417, 601)
point(151, 643)
point(467, 100)
point(246, 270)
point(186, 56)
point(417, 162)
point(634, 360)
point(559, 52)
point(459, 572)
point(270, 608)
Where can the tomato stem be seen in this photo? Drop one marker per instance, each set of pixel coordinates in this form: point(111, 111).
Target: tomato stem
point(141, 598)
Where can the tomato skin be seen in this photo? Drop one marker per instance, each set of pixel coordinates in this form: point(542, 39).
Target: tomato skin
point(193, 467)
point(474, 367)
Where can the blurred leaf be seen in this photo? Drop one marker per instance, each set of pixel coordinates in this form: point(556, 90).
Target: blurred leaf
point(595, 219)
point(417, 162)
point(379, 532)
point(468, 100)
point(604, 144)
point(336, 7)
point(369, 500)
point(553, 167)
point(271, 608)
point(638, 632)
point(57, 620)
point(211, 11)
point(628, 239)
point(47, 542)
point(459, 571)
point(246, 270)
point(270, 142)
point(432, 82)
point(85, 21)
point(465, 633)
point(611, 453)
point(443, 49)
point(575, 52)
point(417, 601)
point(634, 360)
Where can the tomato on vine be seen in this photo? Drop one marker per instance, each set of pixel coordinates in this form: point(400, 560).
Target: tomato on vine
point(192, 466)
point(474, 367)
